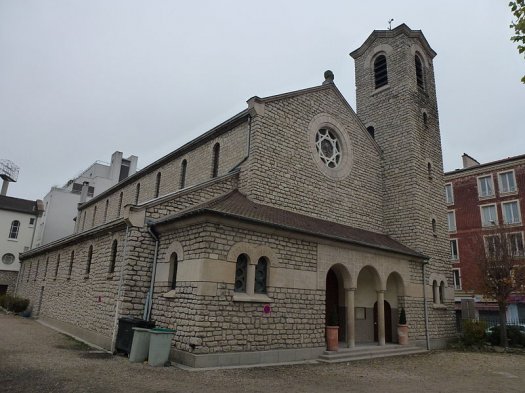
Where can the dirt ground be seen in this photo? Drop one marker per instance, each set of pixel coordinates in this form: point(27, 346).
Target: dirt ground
point(34, 358)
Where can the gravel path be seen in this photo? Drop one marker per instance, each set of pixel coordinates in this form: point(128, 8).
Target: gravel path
point(34, 358)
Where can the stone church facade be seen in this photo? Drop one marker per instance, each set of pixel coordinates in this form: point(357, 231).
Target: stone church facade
point(247, 238)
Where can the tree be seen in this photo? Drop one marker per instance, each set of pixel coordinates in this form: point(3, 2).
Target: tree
point(502, 271)
point(518, 10)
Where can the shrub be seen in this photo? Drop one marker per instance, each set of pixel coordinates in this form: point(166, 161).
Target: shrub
point(514, 335)
point(473, 333)
point(14, 303)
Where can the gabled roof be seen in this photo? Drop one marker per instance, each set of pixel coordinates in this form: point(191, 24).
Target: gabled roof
point(401, 29)
point(18, 205)
point(236, 205)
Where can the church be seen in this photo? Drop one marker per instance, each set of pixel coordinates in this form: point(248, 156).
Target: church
point(296, 212)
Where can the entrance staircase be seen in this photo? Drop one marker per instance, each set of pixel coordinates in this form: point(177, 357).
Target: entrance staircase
point(368, 352)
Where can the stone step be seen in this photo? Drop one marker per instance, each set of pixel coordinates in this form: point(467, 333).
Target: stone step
point(368, 352)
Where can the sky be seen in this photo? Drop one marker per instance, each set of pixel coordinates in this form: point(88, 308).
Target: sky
point(82, 79)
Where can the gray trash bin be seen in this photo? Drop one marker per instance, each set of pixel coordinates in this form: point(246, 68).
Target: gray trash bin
point(160, 346)
point(140, 345)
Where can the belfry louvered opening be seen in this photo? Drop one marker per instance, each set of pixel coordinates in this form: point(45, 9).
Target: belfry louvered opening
point(380, 71)
point(419, 73)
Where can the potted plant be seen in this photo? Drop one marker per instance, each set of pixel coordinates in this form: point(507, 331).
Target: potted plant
point(402, 328)
point(332, 331)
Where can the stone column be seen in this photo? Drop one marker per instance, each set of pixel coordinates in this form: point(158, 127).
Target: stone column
point(381, 317)
point(250, 279)
point(350, 317)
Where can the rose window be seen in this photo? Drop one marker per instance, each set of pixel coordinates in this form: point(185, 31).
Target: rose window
point(328, 147)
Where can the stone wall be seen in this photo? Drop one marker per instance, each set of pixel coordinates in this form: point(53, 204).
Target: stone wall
point(8, 278)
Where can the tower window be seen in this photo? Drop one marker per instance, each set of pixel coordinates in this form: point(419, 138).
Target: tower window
point(183, 167)
point(216, 152)
point(174, 262)
point(119, 208)
point(89, 259)
point(425, 119)
point(261, 273)
point(94, 216)
point(106, 210)
point(241, 269)
point(380, 71)
point(157, 185)
point(113, 258)
point(137, 194)
point(419, 72)
point(371, 131)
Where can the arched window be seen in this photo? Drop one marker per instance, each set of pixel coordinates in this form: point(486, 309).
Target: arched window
point(106, 210)
point(137, 194)
point(371, 131)
point(113, 257)
point(93, 218)
point(442, 292)
point(119, 207)
point(157, 185)
point(419, 72)
point(216, 153)
point(183, 168)
point(71, 259)
point(380, 71)
point(89, 259)
point(174, 265)
point(261, 275)
point(57, 266)
point(241, 269)
point(15, 227)
point(435, 293)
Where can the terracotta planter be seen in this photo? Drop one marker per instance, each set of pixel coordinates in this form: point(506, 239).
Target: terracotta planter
point(332, 338)
point(402, 334)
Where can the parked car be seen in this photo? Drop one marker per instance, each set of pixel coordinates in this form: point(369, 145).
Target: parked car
point(515, 335)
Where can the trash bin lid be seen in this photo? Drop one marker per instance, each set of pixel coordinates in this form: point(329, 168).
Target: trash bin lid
point(162, 330)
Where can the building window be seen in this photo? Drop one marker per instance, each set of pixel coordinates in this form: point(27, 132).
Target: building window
point(94, 216)
point(429, 170)
point(492, 246)
point(157, 185)
point(71, 259)
point(31, 221)
point(485, 186)
point(183, 168)
point(454, 254)
point(489, 215)
point(449, 194)
point(507, 182)
point(113, 257)
point(516, 244)
point(435, 293)
point(380, 71)
point(456, 274)
point(241, 270)
point(84, 221)
point(119, 207)
point(8, 258)
point(371, 130)
point(45, 267)
point(215, 163)
point(261, 273)
point(57, 266)
point(451, 221)
point(442, 292)
point(174, 265)
point(425, 119)
point(328, 147)
point(15, 228)
point(511, 212)
point(434, 229)
point(89, 260)
point(106, 210)
point(137, 194)
point(419, 72)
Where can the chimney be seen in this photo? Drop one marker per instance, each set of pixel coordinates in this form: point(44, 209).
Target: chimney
point(468, 161)
point(84, 192)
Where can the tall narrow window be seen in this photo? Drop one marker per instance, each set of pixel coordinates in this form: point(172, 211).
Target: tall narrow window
point(451, 220)
point(57, 266)
point(429, 170)
point(425, 119)
point(157, 185)
point(15, 227)
point(37, 268)
point(380, 71)
point(241, 269)
point(89, 259)
point(216, 153)
point(419, 72)
point(449, 194)
point(137, 194)
point(371, 130)
point(434, 227)
point(113, 258)
point(45, 267)
point(174, 265)
point(183, 167)
point(435, 292)
point(454, 255)
point(442, 292)
point(71, 259)
point(457, 278)
point(261, 273)
point(119, 207)
point(106, 210)
point(94, 216)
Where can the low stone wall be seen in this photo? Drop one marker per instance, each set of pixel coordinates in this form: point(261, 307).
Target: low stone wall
point(8, 278)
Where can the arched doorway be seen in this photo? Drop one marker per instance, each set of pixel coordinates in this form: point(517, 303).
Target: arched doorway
point(366, 295)
point(394, 295)
point(388, 322)
point(335, 309)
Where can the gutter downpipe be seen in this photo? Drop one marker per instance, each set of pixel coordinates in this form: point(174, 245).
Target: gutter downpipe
point(427, 334)
point(149, 297)
point(119, 292)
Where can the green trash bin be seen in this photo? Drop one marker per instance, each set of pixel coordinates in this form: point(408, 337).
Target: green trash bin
point(160, 346)
point(140, 345)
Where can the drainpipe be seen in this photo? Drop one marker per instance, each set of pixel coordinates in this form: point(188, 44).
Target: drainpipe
point(425, 305)
point(149, 297)
point(119, 291)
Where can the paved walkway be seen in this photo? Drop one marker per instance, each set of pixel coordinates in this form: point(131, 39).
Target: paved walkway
point(36, 359)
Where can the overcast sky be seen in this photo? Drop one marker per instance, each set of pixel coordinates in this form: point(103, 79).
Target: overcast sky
point(81, 79)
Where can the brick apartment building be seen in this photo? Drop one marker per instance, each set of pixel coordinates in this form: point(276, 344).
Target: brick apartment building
point(479, 197)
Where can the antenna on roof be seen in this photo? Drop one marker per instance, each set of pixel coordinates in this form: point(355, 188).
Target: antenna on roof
point(390, 24)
